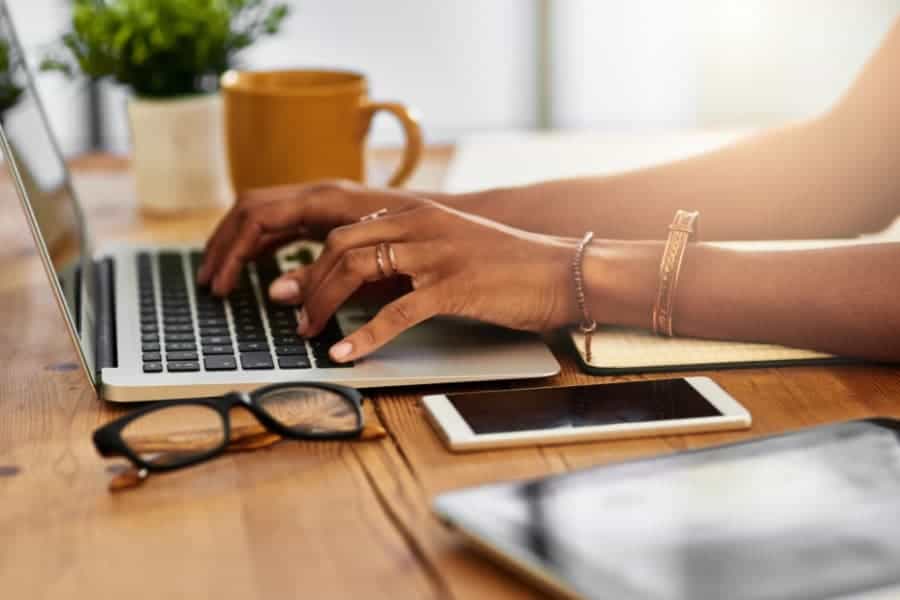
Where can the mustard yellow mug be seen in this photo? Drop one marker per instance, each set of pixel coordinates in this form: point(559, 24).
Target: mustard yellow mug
point(296, 126)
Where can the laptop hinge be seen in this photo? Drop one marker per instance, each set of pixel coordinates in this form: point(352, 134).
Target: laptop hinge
point(106, 351)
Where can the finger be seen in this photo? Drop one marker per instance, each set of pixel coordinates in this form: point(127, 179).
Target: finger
point(228, 227)
point(356, 267)
point(391, 321)
point(211, 254)
point(390, 228)
point(282, 210)
point(237, 256)
point(287, 288)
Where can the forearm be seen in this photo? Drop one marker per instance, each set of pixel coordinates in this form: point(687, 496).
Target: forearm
point(799, 182)
point(835, 176)
point(839, 300)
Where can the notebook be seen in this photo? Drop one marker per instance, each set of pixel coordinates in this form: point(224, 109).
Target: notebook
point(619, 350)
point(496, 160)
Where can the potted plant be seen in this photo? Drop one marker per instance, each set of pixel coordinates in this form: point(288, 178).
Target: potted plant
point(170, 53)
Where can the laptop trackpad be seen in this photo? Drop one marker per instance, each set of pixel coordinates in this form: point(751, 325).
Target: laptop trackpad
point(446, 339)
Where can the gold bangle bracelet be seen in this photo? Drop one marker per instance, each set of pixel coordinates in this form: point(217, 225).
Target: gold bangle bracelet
point(683, 227)
point(587, 325)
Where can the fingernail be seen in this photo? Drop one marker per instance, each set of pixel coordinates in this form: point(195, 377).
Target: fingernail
point(302, 322)
point(284, 289)
point(341, 351)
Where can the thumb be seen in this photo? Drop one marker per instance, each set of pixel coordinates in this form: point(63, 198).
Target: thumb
point(287, 289)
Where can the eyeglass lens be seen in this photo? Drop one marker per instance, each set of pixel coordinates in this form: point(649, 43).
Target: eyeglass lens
point(310, 410)
point(176, 434)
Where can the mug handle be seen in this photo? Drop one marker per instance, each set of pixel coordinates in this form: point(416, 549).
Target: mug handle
point(408, 118)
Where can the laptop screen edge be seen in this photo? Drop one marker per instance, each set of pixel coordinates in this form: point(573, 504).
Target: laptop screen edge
point(84, 344)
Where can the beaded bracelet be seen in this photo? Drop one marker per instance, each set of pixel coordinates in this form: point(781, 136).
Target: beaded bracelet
point(587, 325)
point(681, 230)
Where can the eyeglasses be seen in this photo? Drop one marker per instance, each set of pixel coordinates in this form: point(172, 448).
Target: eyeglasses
point(173, 435)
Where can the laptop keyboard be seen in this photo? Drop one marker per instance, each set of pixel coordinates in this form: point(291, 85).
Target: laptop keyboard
point(184, 328)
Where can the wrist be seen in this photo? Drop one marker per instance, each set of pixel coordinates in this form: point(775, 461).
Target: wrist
point(620, 281)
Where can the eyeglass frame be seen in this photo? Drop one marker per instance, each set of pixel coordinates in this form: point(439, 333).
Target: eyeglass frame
point(109, 442)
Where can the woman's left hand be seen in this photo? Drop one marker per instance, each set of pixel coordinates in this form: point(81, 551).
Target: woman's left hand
point(459, 265)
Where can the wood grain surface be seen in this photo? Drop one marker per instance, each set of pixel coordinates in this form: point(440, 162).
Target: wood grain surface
point(297, 520)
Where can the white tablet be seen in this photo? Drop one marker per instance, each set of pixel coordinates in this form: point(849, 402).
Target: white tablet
point(482, 420)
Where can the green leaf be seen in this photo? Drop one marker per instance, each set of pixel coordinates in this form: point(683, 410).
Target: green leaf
point(51, 64)
point(162, 47)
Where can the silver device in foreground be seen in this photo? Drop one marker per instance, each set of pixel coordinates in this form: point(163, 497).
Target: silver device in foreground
point(144, 331)
point(807, 514)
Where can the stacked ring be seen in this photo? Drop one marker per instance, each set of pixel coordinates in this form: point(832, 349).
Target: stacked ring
point(372, 216)
point(386, 260)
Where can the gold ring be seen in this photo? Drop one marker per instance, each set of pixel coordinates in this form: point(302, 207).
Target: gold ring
point(392, 258)
point(383, 250)
point(375, 215)
point(379, 260)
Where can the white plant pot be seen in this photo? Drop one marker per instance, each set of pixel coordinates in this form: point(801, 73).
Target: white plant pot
point(178, 153)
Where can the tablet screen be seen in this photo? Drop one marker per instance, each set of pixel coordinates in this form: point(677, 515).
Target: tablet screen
point(811, 515)
point(581, 406)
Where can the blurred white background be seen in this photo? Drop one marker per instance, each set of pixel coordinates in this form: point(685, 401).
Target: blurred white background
point(474, 66)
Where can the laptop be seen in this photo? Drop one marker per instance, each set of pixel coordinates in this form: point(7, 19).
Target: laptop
point(145, 331)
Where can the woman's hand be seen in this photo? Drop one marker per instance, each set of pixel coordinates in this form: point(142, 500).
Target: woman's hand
point(263, 219)
point(459, 264)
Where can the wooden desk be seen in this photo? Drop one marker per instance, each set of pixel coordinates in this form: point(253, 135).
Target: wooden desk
point(299, 520)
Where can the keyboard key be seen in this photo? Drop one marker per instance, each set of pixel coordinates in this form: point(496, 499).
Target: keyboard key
point(179, 346)
point(149, 337)
point(279, 323)
point(183, 366)
point(213, 331)
point(294, 362)
point(220, 363)
point(215, 340)
point(291, 350)
point(251, 337)
point(286, 340)
point(218, 349)
point(244, 312)
point(179, 328)
point(179, 337)
point(176, 319)
point(153, 367)
point(289, 316)
point(152, 357)
point(181, 356)
point(150, 346)
point(149, 327)
point(212, 322)
point(253, 347)
point(147, 319)
point(212, 305)
point(257, 360)
point(285, 332)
